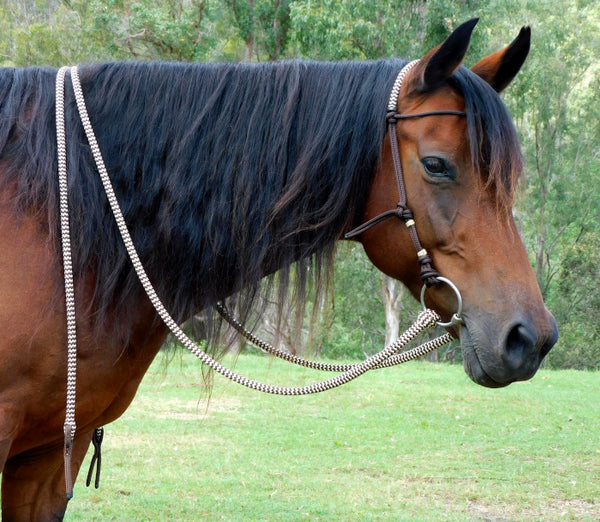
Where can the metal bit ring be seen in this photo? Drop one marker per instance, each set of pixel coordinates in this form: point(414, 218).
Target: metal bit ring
point(456, 317)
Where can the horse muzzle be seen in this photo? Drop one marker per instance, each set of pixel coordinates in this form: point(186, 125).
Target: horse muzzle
point(521, 348)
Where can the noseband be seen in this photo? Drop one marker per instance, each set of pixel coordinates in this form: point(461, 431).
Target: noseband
point(429, 275)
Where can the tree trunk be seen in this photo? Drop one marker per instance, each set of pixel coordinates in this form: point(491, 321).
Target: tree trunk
point(392, 293)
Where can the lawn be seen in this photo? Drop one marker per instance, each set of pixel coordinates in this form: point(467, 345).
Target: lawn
point(415, 442)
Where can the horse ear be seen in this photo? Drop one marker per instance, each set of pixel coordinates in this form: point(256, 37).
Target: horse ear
point(501, 67)
point(441, 62)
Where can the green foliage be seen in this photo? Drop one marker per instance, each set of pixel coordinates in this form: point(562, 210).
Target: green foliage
point(263, 26)
point(577, 301)
point(556, 103)
point(358, 30)
point(557, 106)
point(354, 326)
point(169, 30)
point(350, 29)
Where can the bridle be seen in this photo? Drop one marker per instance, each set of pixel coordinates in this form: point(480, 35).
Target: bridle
point(429, 275)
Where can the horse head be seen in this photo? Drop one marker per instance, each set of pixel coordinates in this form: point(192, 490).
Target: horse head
point(460, 170)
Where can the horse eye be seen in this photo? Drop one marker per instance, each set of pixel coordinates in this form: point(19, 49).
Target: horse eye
point(438, 167)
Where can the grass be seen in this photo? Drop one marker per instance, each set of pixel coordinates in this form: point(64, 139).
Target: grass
point(417, 442)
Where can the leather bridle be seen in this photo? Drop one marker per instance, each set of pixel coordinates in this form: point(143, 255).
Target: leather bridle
point(429, 275)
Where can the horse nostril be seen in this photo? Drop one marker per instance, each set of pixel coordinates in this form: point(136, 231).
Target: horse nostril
point(524, 349)
point(520, 344)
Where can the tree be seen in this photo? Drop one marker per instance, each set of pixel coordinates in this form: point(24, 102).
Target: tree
point(557, 140)
point(263, 26)
point(578, 300)
point(352, 323)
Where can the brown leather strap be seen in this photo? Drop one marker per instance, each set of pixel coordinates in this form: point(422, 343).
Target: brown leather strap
point(446, 112)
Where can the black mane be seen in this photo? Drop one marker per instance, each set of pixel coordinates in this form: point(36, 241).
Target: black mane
point(225, 173)
point(494, 142)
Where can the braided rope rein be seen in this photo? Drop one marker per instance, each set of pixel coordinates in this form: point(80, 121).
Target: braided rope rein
point(69, 425)
point(387, 357)
point(393, 360)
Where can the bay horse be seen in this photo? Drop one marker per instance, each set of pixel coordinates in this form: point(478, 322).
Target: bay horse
point(227, 174)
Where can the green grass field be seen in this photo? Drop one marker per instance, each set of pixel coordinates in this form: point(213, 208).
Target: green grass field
point(416, 442)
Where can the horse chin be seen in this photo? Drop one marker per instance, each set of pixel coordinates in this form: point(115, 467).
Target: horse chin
point(472, 364)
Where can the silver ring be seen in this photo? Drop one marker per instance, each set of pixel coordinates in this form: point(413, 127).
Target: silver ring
point(456, 318)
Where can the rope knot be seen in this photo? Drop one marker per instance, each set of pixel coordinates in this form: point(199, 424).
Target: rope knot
point(429, 275)
point(391, 117)
point(404, 213)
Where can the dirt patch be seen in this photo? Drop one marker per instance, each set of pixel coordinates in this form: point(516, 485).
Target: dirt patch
point(196, 410)
point(478, 512)
point(573, 509)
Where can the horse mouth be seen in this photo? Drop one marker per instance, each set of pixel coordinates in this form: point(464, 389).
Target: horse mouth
point(472, 364)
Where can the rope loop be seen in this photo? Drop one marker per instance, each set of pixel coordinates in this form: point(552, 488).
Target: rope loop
point(265, 347)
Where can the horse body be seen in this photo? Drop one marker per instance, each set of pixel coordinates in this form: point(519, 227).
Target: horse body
point(227, 174)
point(33, 372)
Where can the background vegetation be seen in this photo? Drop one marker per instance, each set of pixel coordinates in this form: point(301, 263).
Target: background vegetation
point(555, 103)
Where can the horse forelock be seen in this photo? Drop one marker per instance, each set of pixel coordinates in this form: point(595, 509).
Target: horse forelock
point(494, 144)
point(224, 172)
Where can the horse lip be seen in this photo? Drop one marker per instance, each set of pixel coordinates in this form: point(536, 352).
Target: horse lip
point(472, 365)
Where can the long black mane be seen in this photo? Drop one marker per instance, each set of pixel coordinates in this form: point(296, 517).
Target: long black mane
point(225, 173)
